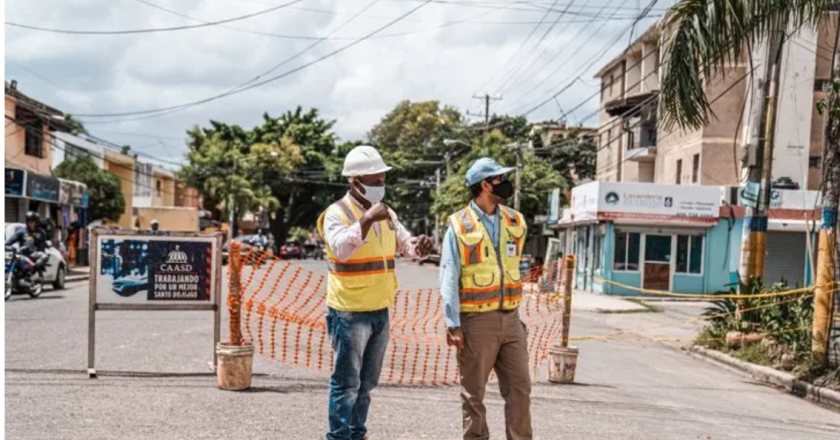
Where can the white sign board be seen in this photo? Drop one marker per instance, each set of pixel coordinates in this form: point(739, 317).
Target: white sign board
point(788, 199)
point(634, 200)
point(147, 269)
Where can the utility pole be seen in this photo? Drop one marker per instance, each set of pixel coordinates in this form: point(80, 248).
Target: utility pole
point(436, 232)
point(518, 147)
point(754, 240)
point(824, 287)
point(486, 98)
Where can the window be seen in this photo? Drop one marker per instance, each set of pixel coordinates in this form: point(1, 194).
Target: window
point(626, 254)
point(690, 254)
point(695, 168)
point(679, 171)
point(658, 248)
point(814, 162)
point(157, 188)
point(143, 179)
point(33, 134)
point(821, 85)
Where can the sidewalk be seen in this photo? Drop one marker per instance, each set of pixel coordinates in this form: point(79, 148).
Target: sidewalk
point(590, 302)
point(78, 273)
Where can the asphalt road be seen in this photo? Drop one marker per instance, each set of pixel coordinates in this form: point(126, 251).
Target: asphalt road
point(155, 384)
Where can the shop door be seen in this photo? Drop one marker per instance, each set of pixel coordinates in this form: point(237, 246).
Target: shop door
point(657, 265)
point(12, 213)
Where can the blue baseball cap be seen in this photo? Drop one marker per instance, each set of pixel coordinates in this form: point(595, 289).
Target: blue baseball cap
point(484, 168)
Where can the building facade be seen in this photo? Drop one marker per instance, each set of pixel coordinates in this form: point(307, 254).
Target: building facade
point(635, 147)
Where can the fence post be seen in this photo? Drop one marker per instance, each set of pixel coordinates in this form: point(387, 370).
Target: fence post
point(234, 300)
point(563, 359)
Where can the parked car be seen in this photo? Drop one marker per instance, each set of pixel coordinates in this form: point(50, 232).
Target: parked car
point(244, 242)
point(433, 258)
point(56, 271)
point(291, 250)
point(313, 251)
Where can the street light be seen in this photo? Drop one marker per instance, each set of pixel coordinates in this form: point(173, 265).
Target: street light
point(453, 142)
point(231, 202)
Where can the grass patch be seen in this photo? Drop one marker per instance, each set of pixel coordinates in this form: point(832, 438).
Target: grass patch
point(755, 354)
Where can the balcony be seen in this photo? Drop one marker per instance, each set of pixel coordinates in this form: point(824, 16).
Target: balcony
point(629, 104)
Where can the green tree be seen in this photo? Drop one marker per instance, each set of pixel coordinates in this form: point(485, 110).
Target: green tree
point(227, 162)
point(76, 127)
point(106, 200)
point(537, 180)
point(316, 182)
point(573, 155)
point(411, 140)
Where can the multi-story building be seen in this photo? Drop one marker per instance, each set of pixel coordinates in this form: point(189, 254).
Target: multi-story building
point(30, 186)
point(69, 147)
point(667, 212)
point(635, 147)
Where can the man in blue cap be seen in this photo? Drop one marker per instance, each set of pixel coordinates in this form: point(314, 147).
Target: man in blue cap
point(482, 287)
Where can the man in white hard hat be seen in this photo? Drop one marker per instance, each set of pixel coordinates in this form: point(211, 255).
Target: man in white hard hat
point(362, 236)
point(155, 225)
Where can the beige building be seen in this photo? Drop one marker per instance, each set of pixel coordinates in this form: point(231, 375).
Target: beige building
point(123, 166)
point(552, 132)
point(634, 147)
point(29, 124)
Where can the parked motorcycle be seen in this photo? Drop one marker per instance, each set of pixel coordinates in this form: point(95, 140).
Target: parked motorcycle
point(21, 274)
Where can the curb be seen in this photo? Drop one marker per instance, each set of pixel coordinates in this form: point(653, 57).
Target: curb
point(75, 278)
point(772, 376)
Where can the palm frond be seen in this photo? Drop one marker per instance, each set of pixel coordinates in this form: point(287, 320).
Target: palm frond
point(703, 37)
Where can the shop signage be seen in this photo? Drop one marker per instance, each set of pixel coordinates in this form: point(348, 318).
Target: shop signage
point(146, 269)
point(785, 199)
point(750, 193)
point(634, 200)
point(40, 187)
point(72, 193)
point(14, 181)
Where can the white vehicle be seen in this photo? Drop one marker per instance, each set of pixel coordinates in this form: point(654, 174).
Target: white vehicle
point(56, 270)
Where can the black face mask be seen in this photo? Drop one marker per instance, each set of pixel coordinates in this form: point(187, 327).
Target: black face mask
point(503, 190)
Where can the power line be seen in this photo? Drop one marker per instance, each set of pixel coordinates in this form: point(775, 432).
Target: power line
point(520, 65)
point(162, 110)
point(151, 30)
point(560, 52)
point(516, 52)
point(594, 60)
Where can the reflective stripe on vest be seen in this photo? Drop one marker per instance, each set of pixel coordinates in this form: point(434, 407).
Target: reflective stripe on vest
point(361, 266)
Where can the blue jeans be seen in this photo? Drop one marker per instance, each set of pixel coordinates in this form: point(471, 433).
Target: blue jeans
point(359, 341)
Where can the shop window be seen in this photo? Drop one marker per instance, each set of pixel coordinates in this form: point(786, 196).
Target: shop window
point(626, 253)
point(689, 254)
point(33, 137)
point(658, 248)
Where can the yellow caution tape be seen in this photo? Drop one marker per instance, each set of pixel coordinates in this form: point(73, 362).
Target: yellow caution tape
point(701, 296)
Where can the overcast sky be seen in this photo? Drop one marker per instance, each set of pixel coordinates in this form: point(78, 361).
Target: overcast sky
point(446, 50)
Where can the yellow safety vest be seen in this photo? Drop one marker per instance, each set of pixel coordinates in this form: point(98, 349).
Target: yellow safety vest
point(365, 282)
point(489, 281)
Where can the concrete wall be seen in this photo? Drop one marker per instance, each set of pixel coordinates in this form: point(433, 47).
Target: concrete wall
point(163, 193)
point(15, 143)
point(170, 218)
point(650, 67)
point(795, 108)
point(609, 152)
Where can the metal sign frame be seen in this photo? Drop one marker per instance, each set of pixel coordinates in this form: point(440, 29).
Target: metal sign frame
point(214, 305)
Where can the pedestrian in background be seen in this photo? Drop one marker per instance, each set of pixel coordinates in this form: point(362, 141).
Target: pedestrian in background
point(481, 285)
point(362, 237)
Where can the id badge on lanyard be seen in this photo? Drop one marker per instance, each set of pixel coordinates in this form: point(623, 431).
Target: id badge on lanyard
point(511, 249)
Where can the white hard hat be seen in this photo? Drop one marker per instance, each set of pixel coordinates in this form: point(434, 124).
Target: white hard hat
point(363, 160)
point(154, 221)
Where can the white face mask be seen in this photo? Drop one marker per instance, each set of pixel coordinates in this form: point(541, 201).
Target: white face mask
point(373, 194)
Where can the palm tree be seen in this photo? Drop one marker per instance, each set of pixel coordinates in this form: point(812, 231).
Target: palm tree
point(702, 38)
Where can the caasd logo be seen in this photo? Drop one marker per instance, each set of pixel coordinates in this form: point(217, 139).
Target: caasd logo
point(611, 198)
point(176, 261)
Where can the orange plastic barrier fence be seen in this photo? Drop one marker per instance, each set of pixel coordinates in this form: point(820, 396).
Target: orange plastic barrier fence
point(284, 308)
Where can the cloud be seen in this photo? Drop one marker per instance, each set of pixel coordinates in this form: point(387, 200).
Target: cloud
point(434, 60)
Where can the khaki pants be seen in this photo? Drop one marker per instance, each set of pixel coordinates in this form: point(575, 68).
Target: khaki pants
point(495, 341)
